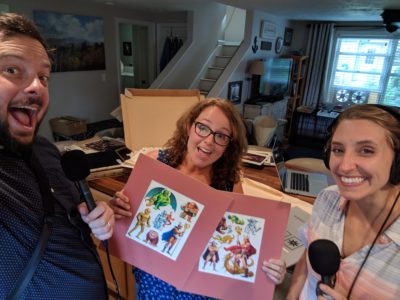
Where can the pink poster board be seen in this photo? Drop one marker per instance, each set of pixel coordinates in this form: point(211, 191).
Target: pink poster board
point(225, 220)
point(266, 234)
point(145, 188)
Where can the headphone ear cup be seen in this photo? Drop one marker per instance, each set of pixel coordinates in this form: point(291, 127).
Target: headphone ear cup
point(327, 156)
point(395, 170)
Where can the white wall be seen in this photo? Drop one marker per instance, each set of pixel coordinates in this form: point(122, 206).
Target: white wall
point(205, 25)
point(241, 71)
point(90, 95)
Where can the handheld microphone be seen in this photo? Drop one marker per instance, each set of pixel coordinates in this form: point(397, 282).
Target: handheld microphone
point(324, 258)
point(76, 168)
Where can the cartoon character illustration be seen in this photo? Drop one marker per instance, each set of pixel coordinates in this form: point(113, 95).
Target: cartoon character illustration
point(226, 239)
point(142, 218)
point(251, 227)
point(238, 230)
point(152, 237)
point(236, 219)
point(163, 219)
point(211, 255)
point(190, 210)
point(168, 219)
point(240, 256)
point(222, 226)
point(160, 197)
point(172, 235)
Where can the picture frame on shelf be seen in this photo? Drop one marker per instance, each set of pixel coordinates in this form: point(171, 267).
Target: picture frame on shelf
point(235, 91)
point(267, 30)
point(288, 36)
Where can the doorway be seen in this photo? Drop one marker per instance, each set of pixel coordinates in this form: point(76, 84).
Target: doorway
point(136, 54)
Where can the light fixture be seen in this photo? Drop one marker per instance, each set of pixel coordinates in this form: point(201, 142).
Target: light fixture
point(391, 19)
point(256, 69)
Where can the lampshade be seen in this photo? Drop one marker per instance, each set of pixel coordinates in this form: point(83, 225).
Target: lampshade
point(256, 67)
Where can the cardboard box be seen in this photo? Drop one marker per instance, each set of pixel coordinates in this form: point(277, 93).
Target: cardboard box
point(150, 115)
point(67, 125)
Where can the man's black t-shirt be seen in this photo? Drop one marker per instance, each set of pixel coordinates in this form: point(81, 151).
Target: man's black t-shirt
point(69, 268)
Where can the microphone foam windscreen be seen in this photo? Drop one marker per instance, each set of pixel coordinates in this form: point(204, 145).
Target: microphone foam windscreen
point(75, 165)
point(324, 257)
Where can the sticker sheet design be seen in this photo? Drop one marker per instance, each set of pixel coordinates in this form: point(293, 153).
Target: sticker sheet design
point(172, 236)
point(143, 219)
point(159, 197)
point(164, 220)
point(189, 211)
point(211, 255)
point(233, 250)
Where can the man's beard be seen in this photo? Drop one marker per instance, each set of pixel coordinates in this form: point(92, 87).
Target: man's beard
point(11, 144)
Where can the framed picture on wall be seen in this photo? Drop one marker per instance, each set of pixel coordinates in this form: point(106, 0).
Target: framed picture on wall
point(267, 30)
point(287, 38)
point(235, 91)
point(77, 48)
point(127, 48)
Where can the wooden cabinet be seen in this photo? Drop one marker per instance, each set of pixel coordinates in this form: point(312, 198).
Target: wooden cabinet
point(296, 89)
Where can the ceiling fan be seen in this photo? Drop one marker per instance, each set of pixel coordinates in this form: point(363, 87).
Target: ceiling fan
point(391, 19)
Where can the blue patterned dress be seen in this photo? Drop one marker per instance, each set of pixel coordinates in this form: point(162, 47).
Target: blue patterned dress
point(150, 287)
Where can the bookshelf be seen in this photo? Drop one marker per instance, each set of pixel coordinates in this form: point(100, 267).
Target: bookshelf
point(296, 90)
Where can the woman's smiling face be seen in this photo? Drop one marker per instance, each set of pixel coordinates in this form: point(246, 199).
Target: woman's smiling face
point(360, 158)
point(203, 151)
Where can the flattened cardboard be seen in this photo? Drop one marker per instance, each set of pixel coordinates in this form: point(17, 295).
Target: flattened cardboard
point(150, 115)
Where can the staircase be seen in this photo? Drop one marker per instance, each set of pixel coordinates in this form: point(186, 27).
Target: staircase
point(218, 63)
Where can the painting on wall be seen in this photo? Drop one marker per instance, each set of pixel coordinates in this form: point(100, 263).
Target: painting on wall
point(78, 41)
point(127, 48)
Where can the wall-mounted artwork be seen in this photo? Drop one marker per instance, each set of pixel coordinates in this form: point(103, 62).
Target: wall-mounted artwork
point(78, 40)
point(267, 30)
point(235, 91)
point(287, 38)
point(127, 48)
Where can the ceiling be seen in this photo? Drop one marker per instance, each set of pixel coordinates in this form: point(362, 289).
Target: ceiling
point(319, 10)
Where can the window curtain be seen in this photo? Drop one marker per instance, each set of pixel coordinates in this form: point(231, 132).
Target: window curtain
point(318, 50)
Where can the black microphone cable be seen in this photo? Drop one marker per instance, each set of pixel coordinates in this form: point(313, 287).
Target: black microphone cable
point(372, 245)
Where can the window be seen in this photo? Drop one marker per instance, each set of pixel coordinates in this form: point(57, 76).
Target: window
point(364, 70)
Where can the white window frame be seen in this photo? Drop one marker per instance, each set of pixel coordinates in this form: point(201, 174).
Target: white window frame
point(358, 33)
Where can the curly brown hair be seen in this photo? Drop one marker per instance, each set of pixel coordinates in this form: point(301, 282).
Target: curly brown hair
point(227, 168)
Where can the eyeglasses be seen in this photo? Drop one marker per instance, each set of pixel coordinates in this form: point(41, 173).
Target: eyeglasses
point(204, 131)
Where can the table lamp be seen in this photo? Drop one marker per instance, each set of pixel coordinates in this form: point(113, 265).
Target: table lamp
point(256, 69)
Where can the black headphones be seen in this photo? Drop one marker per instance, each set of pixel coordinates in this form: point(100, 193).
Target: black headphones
point(395, 168)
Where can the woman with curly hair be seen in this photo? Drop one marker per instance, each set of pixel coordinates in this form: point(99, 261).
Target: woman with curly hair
point(207, 145)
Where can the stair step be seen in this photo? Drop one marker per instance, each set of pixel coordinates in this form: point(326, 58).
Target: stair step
point(229, 50)
point(221, 61)
point(214, 73)
point(206, 84)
